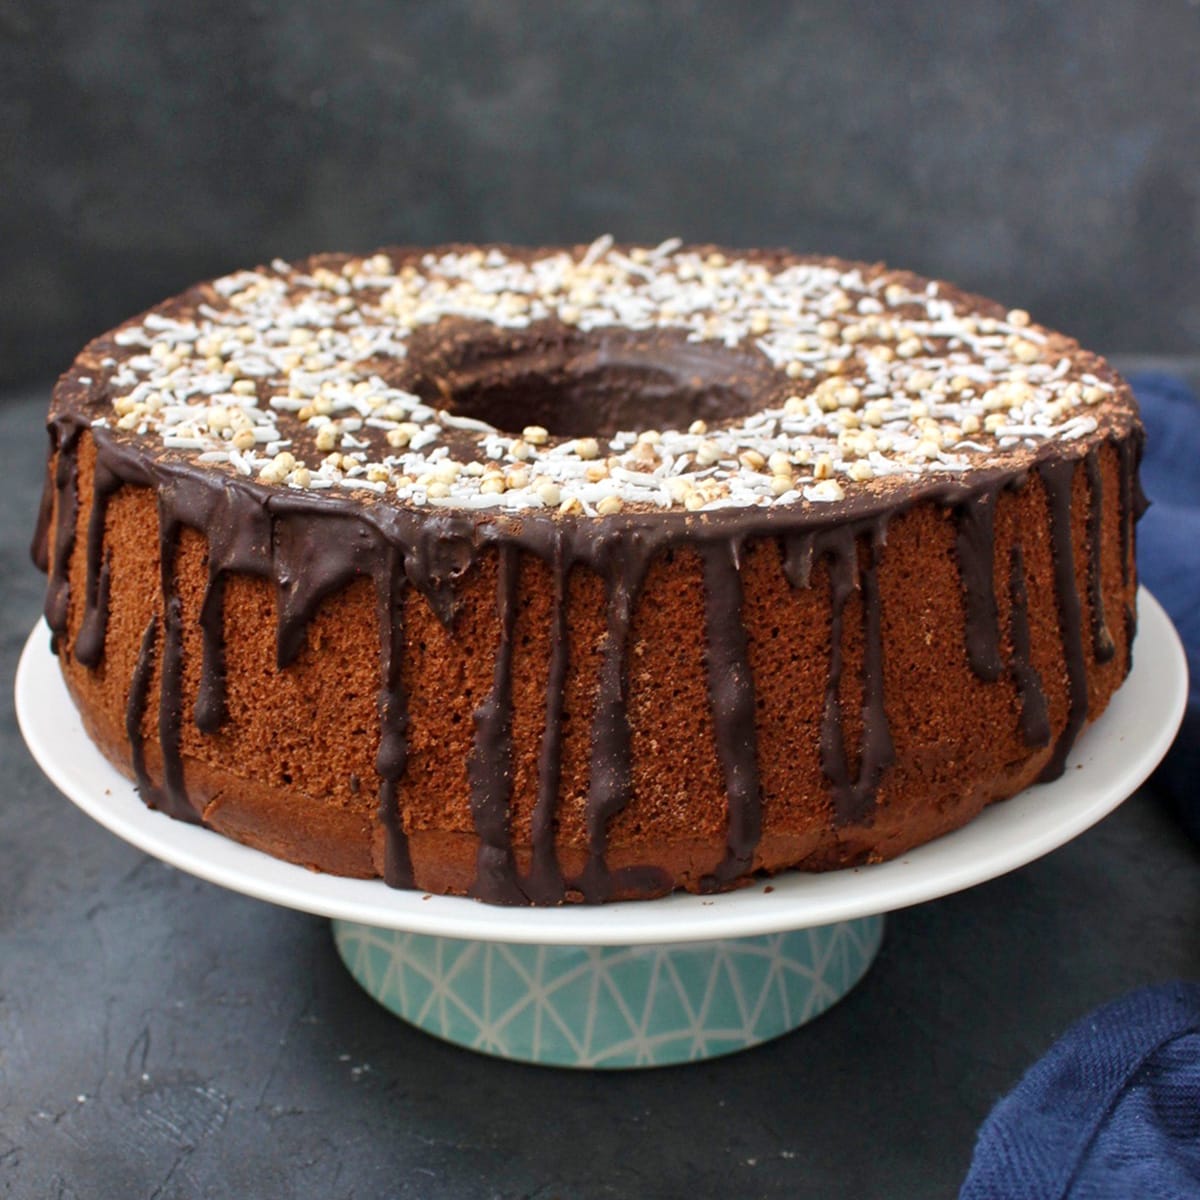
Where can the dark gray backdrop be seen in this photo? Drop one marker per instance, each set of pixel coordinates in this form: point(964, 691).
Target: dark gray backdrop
point(1045, 152)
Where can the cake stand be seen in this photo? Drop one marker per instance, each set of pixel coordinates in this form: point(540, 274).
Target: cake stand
point(637, 983)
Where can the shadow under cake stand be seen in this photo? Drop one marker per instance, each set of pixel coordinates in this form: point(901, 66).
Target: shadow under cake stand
point(641, 983)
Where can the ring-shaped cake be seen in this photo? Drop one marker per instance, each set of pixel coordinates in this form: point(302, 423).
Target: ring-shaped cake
point(588, 573)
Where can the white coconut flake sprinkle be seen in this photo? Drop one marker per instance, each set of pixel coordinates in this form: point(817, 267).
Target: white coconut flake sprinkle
point(864, 374)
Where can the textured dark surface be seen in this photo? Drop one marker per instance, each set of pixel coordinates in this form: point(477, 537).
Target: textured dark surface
point(160, 1037)
point(1042, 152)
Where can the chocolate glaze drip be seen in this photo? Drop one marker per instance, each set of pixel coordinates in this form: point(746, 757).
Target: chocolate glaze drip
point(1057, 478)
point(490, 767)
point(440, 557)
point(976, 543)
point(878, 751)
point(312, 546)
point(309, 570)
point(392, 757)
point(66, 484)
point(1132, 504)
point(1102, 644)
point(853, 797)
point(172, 797)
point(797, 557)
point(135, 709)
point(1126, 474)
point(610, 785)
point(731, 697)
point(239, 540)
point(89, 643)
point(842, 556)
point(1035, 717)
point(545, 883)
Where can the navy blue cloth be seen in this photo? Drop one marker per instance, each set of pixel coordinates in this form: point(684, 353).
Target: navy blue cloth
point(1169, 559)
point(1112, 1111)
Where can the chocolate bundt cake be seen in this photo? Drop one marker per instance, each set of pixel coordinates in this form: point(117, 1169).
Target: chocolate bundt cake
point(549, 575)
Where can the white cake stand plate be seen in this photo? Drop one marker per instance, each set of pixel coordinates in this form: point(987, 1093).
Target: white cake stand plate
point(638, 983)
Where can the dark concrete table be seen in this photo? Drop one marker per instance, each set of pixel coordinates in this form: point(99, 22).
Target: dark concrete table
point(160, 1037)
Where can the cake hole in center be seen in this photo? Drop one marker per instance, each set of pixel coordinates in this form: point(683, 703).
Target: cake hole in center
point(605, 385)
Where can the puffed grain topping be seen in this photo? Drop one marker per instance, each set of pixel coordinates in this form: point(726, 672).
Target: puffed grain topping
point(881, 377)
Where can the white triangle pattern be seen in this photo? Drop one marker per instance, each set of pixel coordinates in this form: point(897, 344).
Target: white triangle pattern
point(610, 1006)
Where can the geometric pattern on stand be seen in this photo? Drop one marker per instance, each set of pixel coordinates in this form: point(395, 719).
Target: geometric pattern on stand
point(610, 1006)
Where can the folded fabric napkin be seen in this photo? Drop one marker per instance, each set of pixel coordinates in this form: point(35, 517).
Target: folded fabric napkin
point(1112, 1111)
point(1169, 559)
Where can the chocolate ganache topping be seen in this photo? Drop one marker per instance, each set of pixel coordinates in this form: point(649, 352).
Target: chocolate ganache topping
point(393, 417)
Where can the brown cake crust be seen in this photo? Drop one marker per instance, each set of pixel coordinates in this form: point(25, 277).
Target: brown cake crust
point(294, 769)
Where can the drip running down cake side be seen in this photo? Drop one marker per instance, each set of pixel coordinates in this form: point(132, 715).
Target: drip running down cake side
point(586, 574)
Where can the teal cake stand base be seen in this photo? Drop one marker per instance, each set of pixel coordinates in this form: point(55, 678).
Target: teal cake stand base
point(610, 1006)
